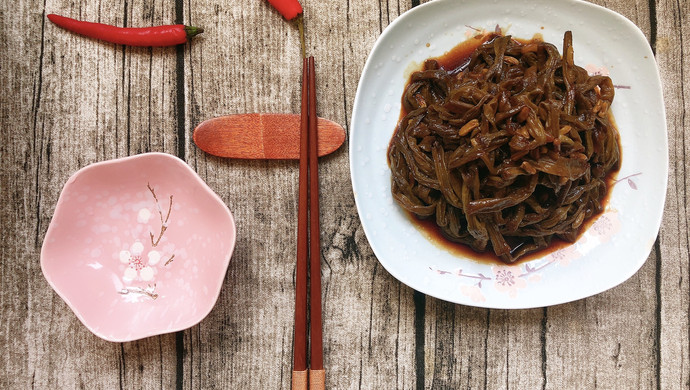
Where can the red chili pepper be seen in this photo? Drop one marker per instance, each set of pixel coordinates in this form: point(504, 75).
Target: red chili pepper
point(168, 35)
point(290, 9)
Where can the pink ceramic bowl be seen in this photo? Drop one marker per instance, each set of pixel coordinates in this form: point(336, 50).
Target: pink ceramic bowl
point(138, 246)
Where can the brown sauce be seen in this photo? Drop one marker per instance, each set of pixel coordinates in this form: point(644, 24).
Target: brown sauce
point(460, 55)
point(433, 232)
point(455, 58)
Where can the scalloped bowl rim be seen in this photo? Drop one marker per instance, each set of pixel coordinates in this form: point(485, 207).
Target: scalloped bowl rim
point(221, 276)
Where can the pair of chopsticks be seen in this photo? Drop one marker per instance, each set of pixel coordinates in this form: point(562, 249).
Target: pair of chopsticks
point(313, 375)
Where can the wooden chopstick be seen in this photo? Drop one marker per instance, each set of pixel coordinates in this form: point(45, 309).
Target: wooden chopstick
point(308, 237)
point(299, 370)
point(316, 371)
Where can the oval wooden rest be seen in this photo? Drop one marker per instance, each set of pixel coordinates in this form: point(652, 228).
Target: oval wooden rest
point(262, 136)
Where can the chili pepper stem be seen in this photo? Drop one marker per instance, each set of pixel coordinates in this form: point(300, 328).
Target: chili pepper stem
point(299, 21)
point(192, 31)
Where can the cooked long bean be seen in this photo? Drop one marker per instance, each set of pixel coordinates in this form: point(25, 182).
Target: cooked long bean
point(507, 151)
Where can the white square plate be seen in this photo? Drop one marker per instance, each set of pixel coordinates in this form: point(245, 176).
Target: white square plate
point(620, 240)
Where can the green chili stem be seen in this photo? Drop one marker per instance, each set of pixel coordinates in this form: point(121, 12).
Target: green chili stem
point(300, 25)
point(192, 31)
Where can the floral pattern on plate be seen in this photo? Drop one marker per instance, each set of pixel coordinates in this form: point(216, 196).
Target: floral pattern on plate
point(510, 279)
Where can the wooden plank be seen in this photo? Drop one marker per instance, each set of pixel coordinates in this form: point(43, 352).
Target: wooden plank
point(373, 309)
point(673, 58)
point(605, 339)
point(241, 66)
point(91, 101)
point(19, 56)
point(355, 331)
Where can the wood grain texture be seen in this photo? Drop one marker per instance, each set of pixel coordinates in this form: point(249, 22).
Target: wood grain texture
point(673, 57)
point(67, 101)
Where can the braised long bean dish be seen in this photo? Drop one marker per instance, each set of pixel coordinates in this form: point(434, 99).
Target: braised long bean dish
point(507, 151)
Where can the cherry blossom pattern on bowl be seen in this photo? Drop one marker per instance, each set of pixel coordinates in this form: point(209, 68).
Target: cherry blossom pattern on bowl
point(138, 246)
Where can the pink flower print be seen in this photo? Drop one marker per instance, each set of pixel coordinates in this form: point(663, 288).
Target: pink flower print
point(473, 292)
point(594, 70)
point(138, 269)
point(606, 226)
point(565, 255)
point(506, 280)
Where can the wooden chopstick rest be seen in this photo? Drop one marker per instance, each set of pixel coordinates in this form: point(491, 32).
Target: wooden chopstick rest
point(263, 136)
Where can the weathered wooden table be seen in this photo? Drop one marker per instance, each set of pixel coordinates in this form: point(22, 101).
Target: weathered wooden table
point(67, 101)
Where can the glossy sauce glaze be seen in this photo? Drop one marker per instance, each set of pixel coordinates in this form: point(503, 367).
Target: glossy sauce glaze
point(454, 61)
point(434, 234)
